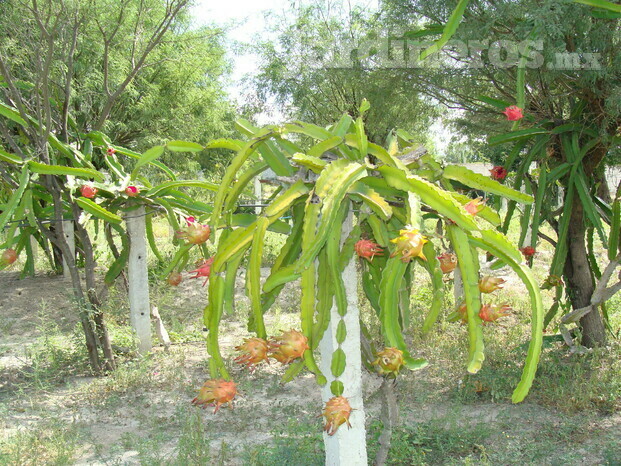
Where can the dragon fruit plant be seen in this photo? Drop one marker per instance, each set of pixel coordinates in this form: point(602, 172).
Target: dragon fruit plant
point(404, 202)
point(86, 180)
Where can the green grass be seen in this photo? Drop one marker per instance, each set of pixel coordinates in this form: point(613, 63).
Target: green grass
point(563, 419)
point(51, 442)
point(432, 443)
point(297, 442)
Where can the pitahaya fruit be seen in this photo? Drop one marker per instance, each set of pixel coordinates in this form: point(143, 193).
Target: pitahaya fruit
point(474, 206)
point(175, 278)
point(528, 252)
point(448, 262)
point(409, 244)
point(287, 347)
point(204, 270)
point(88, 191)
point(491, 313)
point(498, 173)
point(489, 284)
point(389, 361)
point(253, 351)
point(8, 257)
point(132, 191)
point(336, 413)
point(216, 392)
point(195, 233)
point(368, 249)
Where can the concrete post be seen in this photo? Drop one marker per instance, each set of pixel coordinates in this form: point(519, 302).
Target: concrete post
point(258, 195)
point(347, 447)
point(140, 309)
point(458, 287)
point(68, 233)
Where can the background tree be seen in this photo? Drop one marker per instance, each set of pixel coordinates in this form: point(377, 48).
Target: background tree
point(293, 77)
point(586, 94)
point(136, 70)
point(70, 69)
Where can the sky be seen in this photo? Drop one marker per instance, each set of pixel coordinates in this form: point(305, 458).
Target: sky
point(243, 21)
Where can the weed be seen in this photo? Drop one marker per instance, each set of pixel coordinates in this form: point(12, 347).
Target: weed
point(51, 442)
point(432, 443)
point(296, 443)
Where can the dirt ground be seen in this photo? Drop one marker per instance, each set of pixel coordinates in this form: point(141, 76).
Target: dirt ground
point(143, 414)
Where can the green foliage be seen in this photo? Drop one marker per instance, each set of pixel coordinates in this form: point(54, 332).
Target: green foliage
point(295, 443)
point(175, 93)
point(53, 442)
point(289, 75)
point(434, 443)
point(320, 207)
point(571, 135)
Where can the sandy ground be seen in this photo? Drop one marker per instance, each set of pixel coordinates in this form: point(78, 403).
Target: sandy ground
point(111, 420)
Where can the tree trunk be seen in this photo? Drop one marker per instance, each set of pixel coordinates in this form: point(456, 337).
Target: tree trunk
point(57, 238)
point(580, 280)
point(390, 418)
point(91, 292)
point(57, 254)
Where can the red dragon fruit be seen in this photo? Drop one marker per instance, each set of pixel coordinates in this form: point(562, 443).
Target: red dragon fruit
point(461, 314)
point(489, 284)
point(336, 413)
point(253, 351)
point(8, 257)
point(195, 233)
point(132, 191)
point(288, 346)
point(88, 191)
point(175, 278)
point(216, 392)
point(491, 313)
point(528, 252)
point(498, 173)
point(448, 262)
point(368, 249)
point(513, 113)
point(474, 206)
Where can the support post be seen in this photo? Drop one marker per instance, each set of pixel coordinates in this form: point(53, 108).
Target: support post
point(347, 447)
point(458, 287)
point(34, 247)
point(68, 233)
point(258, 195)
point(140, 309)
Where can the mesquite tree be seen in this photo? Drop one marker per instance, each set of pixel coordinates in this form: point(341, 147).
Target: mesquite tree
point(559, 64)
point(406, 210)
point(104, 198)
point(65, 69)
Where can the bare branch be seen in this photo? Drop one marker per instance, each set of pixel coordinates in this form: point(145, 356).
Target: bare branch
point(15, 95)
point(599, 296)
point(154, 41)
point(68, 80)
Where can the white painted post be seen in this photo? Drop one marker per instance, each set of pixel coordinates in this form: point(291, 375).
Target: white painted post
point(258, 194)
point(347, 447)
point(34, 247)
point(140, 309)
point(160, 330)
point(458, 287)
point(67, 227)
